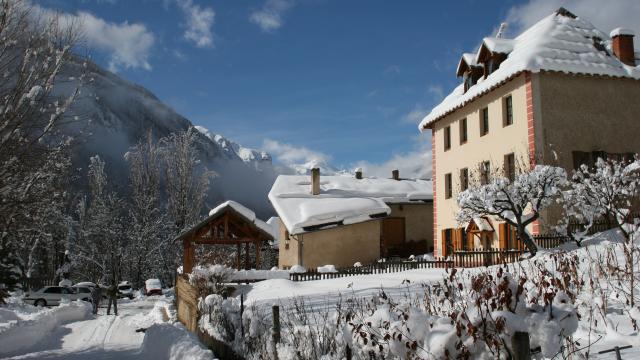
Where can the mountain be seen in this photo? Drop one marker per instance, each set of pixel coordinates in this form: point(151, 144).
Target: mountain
point(113, 114)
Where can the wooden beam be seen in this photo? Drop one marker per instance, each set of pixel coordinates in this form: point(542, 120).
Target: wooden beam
point(246, 256)
point(223, 241)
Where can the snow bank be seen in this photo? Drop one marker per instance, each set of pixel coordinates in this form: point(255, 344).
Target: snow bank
point(172, 342)
point(19, 333)
point(259, 274)
point(327, 269)
point(297, 269)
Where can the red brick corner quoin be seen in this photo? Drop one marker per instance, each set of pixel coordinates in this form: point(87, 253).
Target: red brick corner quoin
point(535, 227)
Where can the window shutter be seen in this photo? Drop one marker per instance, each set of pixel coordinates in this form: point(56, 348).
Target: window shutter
point(503, 235)
point(443, 243)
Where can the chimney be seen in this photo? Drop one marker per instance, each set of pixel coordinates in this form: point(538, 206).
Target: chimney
point(315, 181)
point(622, 44)
point(395, 174)
point(359, 173)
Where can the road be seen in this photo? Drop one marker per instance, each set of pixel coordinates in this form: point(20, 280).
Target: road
point(105, 337)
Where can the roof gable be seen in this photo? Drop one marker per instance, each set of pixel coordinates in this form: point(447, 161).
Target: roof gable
point(561, 42)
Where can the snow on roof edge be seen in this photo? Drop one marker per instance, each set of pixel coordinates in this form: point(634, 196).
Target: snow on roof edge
point(557, 43)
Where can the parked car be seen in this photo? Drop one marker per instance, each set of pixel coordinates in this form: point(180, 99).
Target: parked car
point(125, 290)
point(53, 295)
point(152, 287)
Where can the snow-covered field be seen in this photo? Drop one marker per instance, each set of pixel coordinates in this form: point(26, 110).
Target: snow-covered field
point(605, 319)
point(70, 331)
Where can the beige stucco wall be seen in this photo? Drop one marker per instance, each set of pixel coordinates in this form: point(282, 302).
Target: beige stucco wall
point(586, 113)
point(498, 142)
point(340, 246)
point(418, 221)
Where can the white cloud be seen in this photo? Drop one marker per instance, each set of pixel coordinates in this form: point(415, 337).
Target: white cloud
point(291, 154)
point(199, 23)
point(415, 115)
point(415, 164)
point(269, 16)
point(127, 45)
point(605, 15)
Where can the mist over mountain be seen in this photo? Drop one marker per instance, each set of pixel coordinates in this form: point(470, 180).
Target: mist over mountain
point(113, 114)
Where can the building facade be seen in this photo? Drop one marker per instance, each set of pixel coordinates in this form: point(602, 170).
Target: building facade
point(521, 104)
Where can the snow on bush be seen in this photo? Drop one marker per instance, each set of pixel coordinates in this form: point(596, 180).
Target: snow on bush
point(327, 269)
point(211, 278)
point(17, 334)
point(172, 342)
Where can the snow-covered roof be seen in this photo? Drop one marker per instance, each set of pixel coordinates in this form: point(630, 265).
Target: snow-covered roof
point(483, 224)
point(245, 212)
point(239, 209)
point(560, 42)
point(467, 60)
point(498, 45)
point(342, 200)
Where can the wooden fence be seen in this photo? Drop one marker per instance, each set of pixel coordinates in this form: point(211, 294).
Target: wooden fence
point(376, 268)
point(36, 283)
point(485, 257)
point(550, 241)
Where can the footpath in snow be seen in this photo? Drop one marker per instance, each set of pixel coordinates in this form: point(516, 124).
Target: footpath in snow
point(72, 332)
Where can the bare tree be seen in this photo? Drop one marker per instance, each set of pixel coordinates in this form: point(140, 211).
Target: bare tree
point(518, 202)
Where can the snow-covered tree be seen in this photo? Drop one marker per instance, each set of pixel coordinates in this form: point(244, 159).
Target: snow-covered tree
point(518, 203)
point(32, 151)
point(186, 186)
point(610, 190)
point(147, 229)
point(100, 245)
point(186, 182)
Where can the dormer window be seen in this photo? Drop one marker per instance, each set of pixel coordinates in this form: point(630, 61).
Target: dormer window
point(492, 53)
point(469, 70)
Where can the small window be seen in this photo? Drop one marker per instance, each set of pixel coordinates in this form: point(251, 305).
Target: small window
point(464, 179)
point(447, 138)
point(463, 131)
point(448, 193)
point(286, 235)
point(484, 121)
point(53, 290)
point(510, 166)
point(485, 172)
point(508, 110)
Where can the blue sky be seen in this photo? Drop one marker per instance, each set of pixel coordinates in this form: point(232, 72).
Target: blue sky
point(347, 81)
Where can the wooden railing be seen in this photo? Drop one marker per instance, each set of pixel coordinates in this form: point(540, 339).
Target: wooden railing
point(550, 241)
point(485, 257)
point(376, 268)
point(36, 283)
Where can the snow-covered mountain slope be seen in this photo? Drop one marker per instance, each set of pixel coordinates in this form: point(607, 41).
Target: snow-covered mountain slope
point(113, 114)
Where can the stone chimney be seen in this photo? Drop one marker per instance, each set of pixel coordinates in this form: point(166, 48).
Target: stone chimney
point(315, 181)
point(359, 173)
point(395, 174)
point(622, 44)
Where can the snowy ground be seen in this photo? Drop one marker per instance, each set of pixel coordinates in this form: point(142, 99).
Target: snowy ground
point(324, 294)
point(115, 337)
